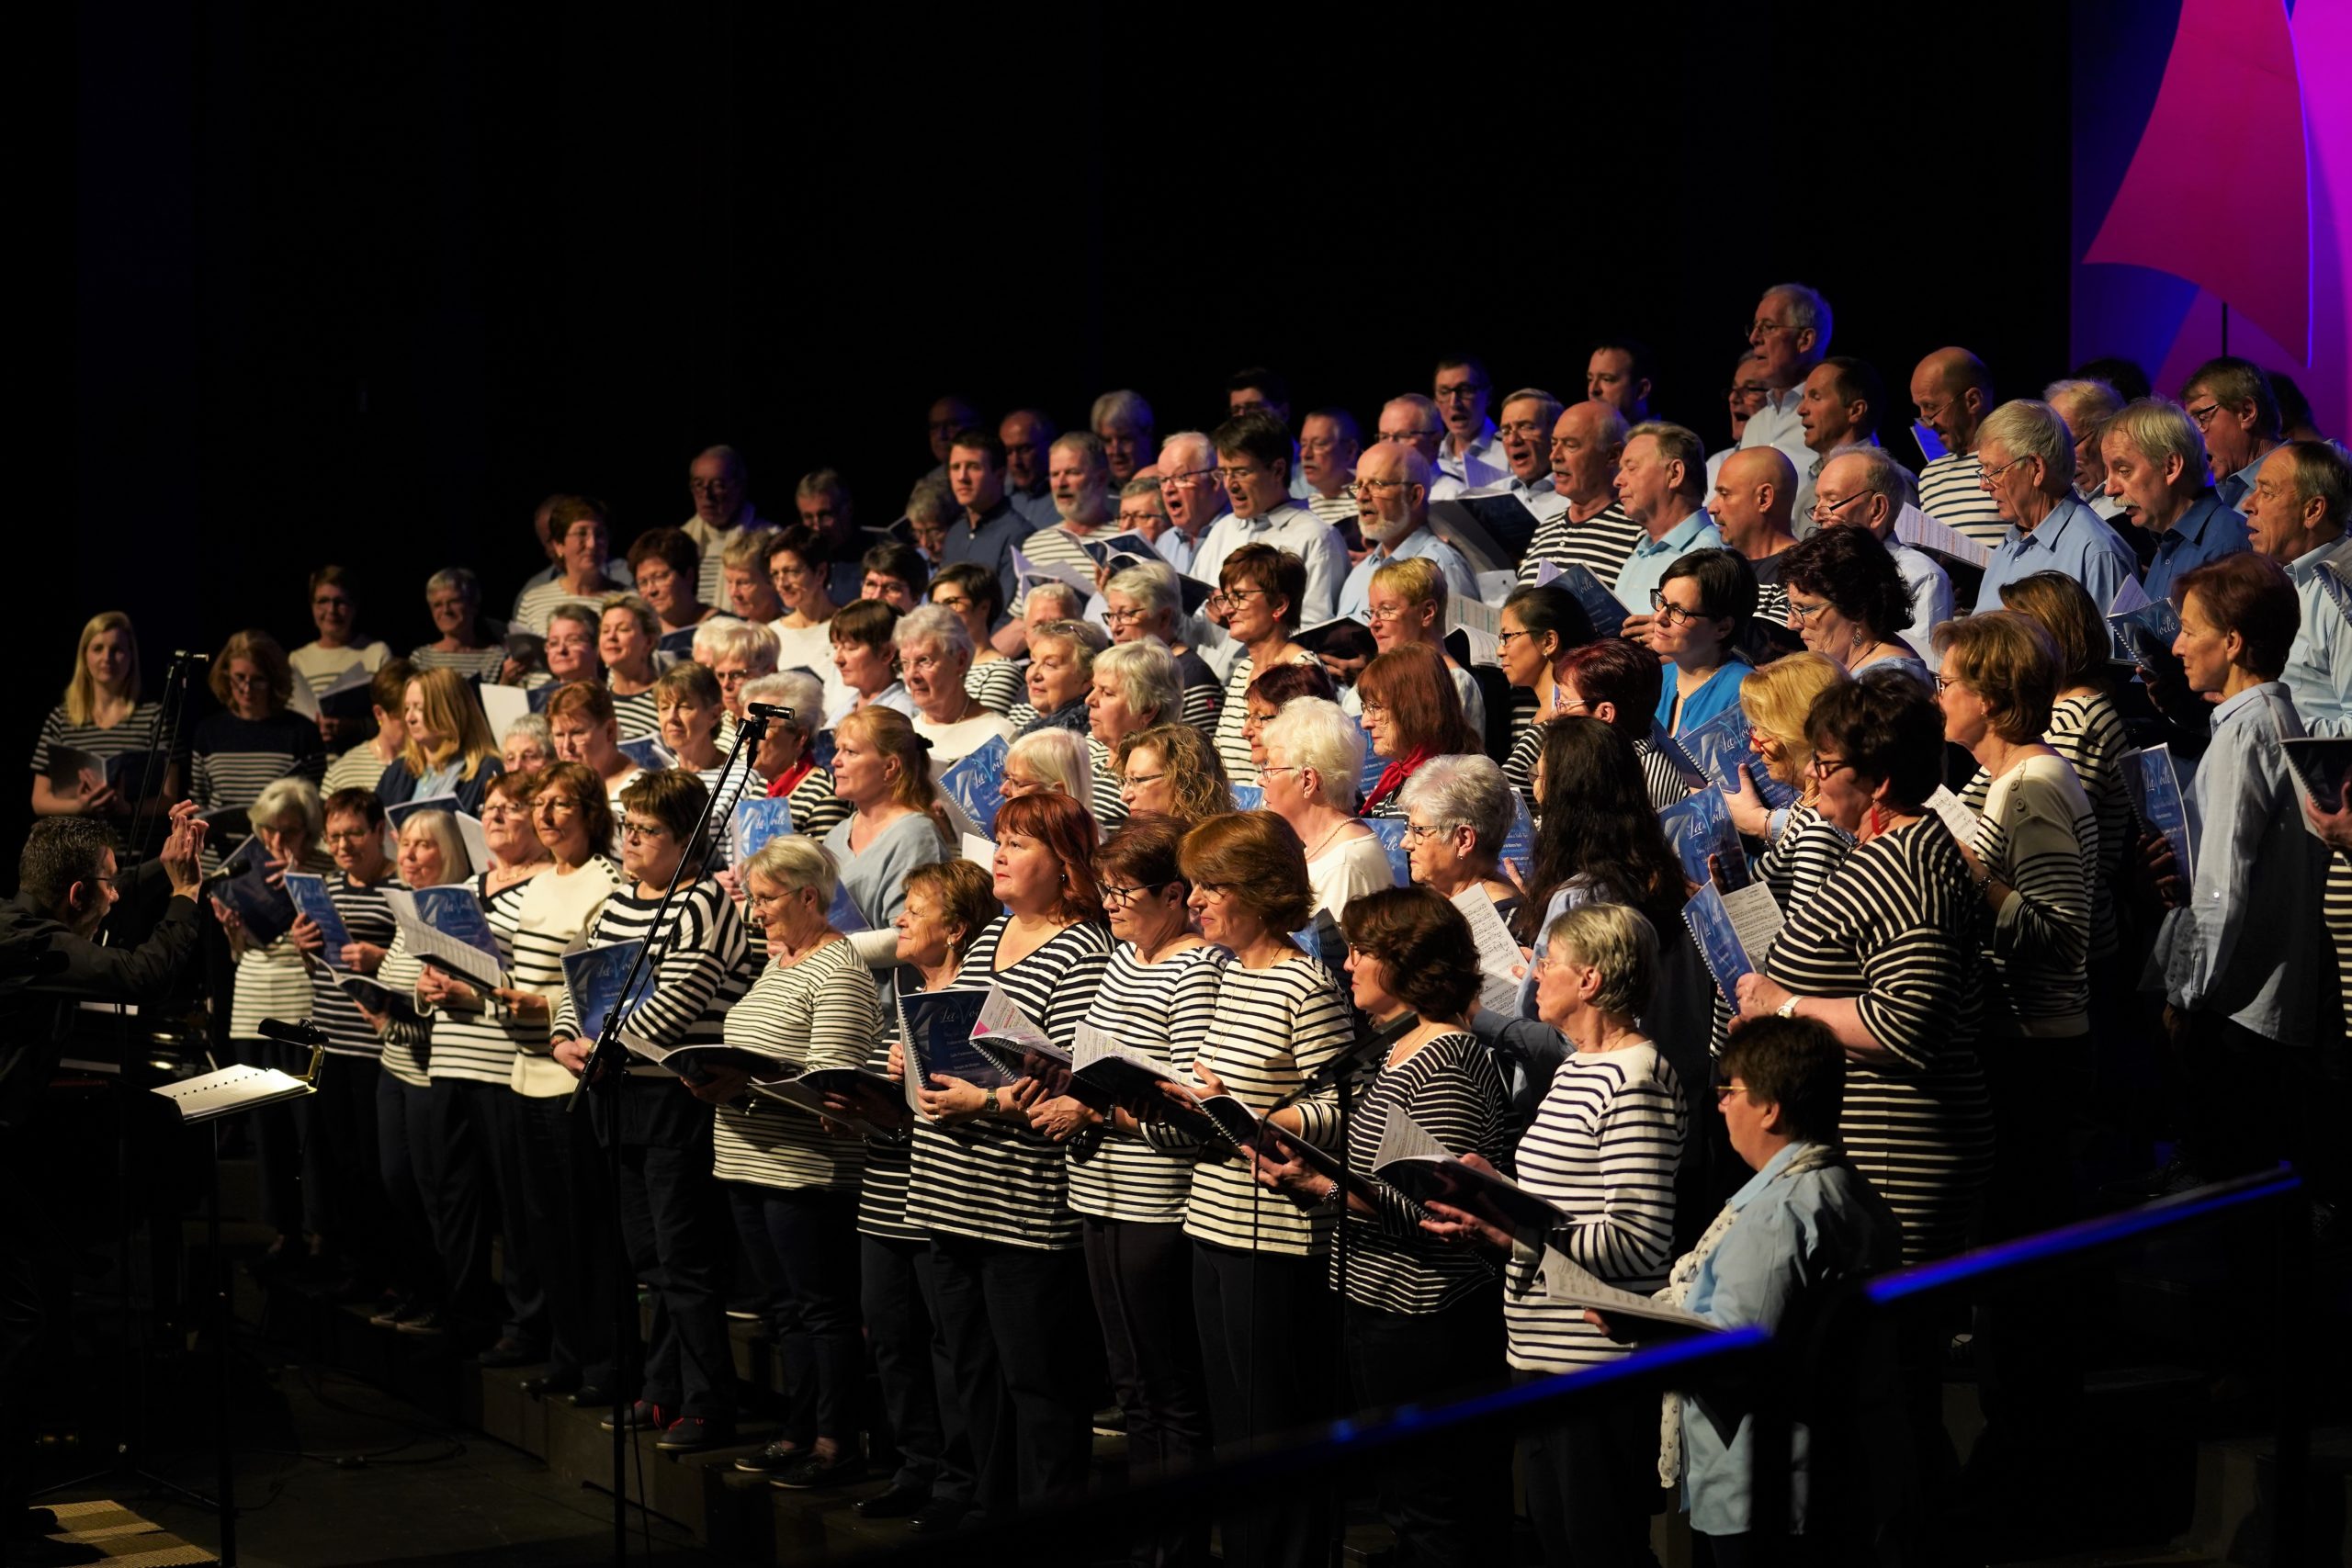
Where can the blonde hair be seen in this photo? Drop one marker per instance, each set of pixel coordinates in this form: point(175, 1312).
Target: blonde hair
point(892, 734)
point(1417, 579)
point(796, 863)
point(455, 865)
point(263, 649)
point(1618, 941)
point(1777, 698)
point(451, 712)
point(81, 691)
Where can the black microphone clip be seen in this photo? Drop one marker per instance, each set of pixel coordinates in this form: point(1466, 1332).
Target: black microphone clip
point(774, 712)
point(302, 1033)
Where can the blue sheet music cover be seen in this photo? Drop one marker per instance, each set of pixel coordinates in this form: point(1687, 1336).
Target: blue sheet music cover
point(594, 977)
point(647, 751)
point(1325, 942)
point(1599, 601)
point(1390, 831)
point(454, 911)
point(264, 907)
point(1711, 928)
point(1518, 844)
point(1248, 798)
point(1720, 747)
point(311, 898)
point(844, 916)
point(755, 822)
point(2164, 807)
point(1700, 825)
point(975, 782)
point(939, 1038)
point(2144, 636)
point(820, 749)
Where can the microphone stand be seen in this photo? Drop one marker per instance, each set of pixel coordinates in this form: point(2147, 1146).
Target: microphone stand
point(607, 1066)
point(162, 742)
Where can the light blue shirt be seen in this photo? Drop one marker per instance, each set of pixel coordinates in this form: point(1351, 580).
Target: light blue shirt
point(1292, 528)
point(1650, 557)
point(2248, 945)
point(1179, 551)
point(1356, 594)
point(2319, 664)
point(2070, 539)
point(2238, 486)
point(1480, 464)
point(1794, 1233)
point(2206, 532)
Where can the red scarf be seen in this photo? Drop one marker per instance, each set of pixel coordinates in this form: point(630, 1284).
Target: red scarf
point(1393, 777)
point(784, 783)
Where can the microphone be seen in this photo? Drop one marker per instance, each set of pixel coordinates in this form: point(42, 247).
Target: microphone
point(774, 711)
point(302, 1033)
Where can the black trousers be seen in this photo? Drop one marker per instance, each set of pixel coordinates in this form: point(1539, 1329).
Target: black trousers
point(911, 1361)
point(758, 1278)
point(1592, 1484)
point(1265, 1323)
point(565, 1195)
point(498, 1111)
point(1019, 1331)
point(1452, 1509)
point(2251, 1106)
point(278, 1133)
point(670, 1219)
point(341, 1164)
point(454, 1167)
point(35, 1295)
point(815, 1237)
point(403, 1125)
point(1141, 1276)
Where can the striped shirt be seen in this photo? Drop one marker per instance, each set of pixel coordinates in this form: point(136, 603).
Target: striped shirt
point(2038, 835)
point(477, 1045)
point(705, 964)
point(1602, 1150)
point(1950, 493)
point(634, 715)
point(1274, 1027)
point(319, 667)
point(358, 768)
point(1204, 695)
point(1519, 768)
point(991, 1180)
point(1600, 544)
point(2088, 732)
point(889, 1162)
point(1897, 929)
point(1452, 1089)
point(486, 662)
point(1232, 747)
point(553, 912)
point(272, 981)
point(1056, 546)
point(1808, 851)
point(1160, 1011)
point(131, 734)
point(1110, 811)
point(236, 759)
point(1664, 781)
point(408, 1041)
point(824, 1012)
point(367, 917)
point(997, 685)
point(531, 611)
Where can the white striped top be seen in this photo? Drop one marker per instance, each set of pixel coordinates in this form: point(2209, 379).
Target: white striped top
point(130, 735)
point(1602, 1149)
point(272, 981)
point(1807, 853)
point(882, 1195)
point(990, 1180)
point(824, 1012)
point(408, 1041)
point(554, 910)
point(368, 917)
point(997, 685)
point(1950, 493)
point(479, 1046)
point(1274, 1027)
point(236, 759)
point(1160, 1011)
point(2088, 732)
point(485, 662)
point(532, 610)
point(358, 768)
point(1452, 1089)
point(1600, 544)
point(634, 715)
point(2038, 835)
point(705, 966)
point(1110, 811)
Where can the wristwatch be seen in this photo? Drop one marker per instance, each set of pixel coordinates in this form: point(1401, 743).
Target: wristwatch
point(989, 1107)
point(1787, 1009)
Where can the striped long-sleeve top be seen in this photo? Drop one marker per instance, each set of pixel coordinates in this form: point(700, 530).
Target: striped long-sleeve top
point(272, 980)
point(236, 759)
point(2088, 732)
point(1110, 810)
point(367, 917)
point(131, 734)
point(890, 1161)
point(479, 1043)
point(556, 909)
point(408, 1035)
point(1160, 1011)
point(1599, 542)
point(2039, 836)
point(989, 1178)
point(996, 684)
point(1452, 1089)
point(703, 968)
point(824, 1012)
point(1602, 1150)
point(1274, 1027)
point(1897, 929)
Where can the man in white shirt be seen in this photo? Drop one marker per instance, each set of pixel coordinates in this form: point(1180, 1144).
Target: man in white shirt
point(1123, 421)
point(1196, 501)
point(1026, 434)
point(1791, 331)
point(1592, 530)
point(1328, 445)
point(1468, 452)
point(1254, 461)
point(1393, 513)
point(1525, 433)
point(1747, 394)
point(1618, 374)
point(1952, 392)
point(1413, 420)
point(1864, 487)
point(1661, 483)
point(1838, 405)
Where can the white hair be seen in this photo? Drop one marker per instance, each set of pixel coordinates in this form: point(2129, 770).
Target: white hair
point(932, 625)
point(1806, 308)
point(1146, 674)
point(1313, 733)
point(2029, 429)
point(1123, 406)
point(795, 864)
point(1059, 757)
point(794, 689)
point(1054, 591)
point(1466, 791)
point(1151, 584)
point(725, 637)
point(289, 797)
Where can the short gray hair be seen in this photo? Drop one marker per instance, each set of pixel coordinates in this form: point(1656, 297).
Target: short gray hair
point(1550, 404)
point(533, 725)
point(2095, 402)
point(1124, 406)
point(2025, 428)
point(1677, 444)
point(291, 796)
point(794, 689)
point(1806, 308)
point(1087, 445)
point(1059, 757)
point(1882, 475)
point(723, 636)
point(795, 864)
point(749, 548)
point(933, 502)
point(1207, 447)
point(1314, 733)
point(457, 577)
point(1467, 791)
point(1146, 677)
point(2158, 428)
point(1151, 584)
point(639, 611)
point(1134, 488)
point(579, 612)
point(1616, 941)
point(932, 625)
point(1086, 639)
point(1053, 591)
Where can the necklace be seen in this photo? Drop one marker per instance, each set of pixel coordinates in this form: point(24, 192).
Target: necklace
point(1325, 841)
point(1854, 660)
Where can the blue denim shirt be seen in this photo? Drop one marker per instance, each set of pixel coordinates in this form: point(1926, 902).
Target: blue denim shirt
point(2072, 539)
point(2319, 664)
point(2206, 532)
point(1650, 557)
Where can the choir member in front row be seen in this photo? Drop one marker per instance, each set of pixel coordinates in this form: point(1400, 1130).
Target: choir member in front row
point(666, 1203)
point(1259, 1290)
point(1424, 1319)
point(815, 1004)
point(1602, 1149)
point(994, 1193)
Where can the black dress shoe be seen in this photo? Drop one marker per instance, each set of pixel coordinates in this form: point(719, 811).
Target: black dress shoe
point(588, 1396)
point(547, 1384)
point(815, 1474)
point(894, 1502)
point(941, 1515)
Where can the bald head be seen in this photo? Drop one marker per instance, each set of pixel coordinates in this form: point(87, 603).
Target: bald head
point(1586, 441)
point(1755, 491)
point(1953, 391)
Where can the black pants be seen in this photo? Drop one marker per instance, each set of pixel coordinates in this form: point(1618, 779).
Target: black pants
point(35, 1295)
point(815, 1237)
point(912, 1363)
point(1592, 1484)
point(1266, 1321)
point(565, 1193)
point(342, 1166)
point(758, 1279)
point(1452, 1508)
point(669, 1206)
point(278, 1133)
point(403, 1125)
point(453, 1167)
point(498, 1114)
point(1142, 1278)
point(1019, 1331)
point(2251, 1108)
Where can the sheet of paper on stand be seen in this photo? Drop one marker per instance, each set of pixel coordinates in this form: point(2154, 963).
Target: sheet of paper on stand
point(1962, 822)
point(1571, 1284)
point(1501, 966)
point(1916, 528)
point(1480, 623)
point(232, 1089)
point(1413, 1161)
point(311, 898)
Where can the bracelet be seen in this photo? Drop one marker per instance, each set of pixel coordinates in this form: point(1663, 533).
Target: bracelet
point(1331, 1197)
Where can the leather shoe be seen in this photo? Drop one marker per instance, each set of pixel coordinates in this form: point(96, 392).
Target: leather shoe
point(941, 1515)
point(893, 1502)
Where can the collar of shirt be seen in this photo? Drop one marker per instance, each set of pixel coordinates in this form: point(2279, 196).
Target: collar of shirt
point(1420, 542)
point(1677, 538)
point(2300, 569)
point(1267, 522)
point(1476, 447)
point(991, 517)
point(2189, 528)
point(1785, 402)
point(1541, 487)
point(2050, 529)
point(2252, 696)
point(1767, 1174)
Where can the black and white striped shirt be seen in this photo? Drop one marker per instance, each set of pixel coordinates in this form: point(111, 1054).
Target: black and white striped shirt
point(1666, 785)
point(2088, 732)
point(1600, 544)
point(1519, 768)
point(485, 662)
point(1452, 1089)
point(367, 918)
point(889, 1162)
point(1204, 695)
point(1160, 1011)
point(236, 759)
point(1807, 853)
point(1274, 1027)
point(100, 741)
point(479, 1046)
point(997, 685)
point(824, 1012)
point(1950, 493)
point(555, 910)
point(2039, 836)
point(703, 969)
point(1602, 1150)
point(407, 1038)
point(634, 715)
point(1109, 809)
point(272, 981)
point(990, 1180)
point(1897, 929)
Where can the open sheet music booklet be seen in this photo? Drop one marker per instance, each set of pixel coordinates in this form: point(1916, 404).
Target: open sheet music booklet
point(1571, 1284)
point(1411, 1160)
point(232, 1089)
point(445, 927)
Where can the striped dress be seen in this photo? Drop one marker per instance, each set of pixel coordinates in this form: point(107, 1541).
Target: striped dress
point(997, 685)
point(705, 966)
point(367, 918)
point(1274, 1027)
point(1110, 811)
point(1600, 544)
point(824, 1012)
point(480, 1045)
point(1161, 1011)
point(1897, 929)
point(485, 662)
point(990, 1180)
point(554, 910)
point(1602, 1150)
point(1452, 1089)
point(236, 759)
point(2039, 835)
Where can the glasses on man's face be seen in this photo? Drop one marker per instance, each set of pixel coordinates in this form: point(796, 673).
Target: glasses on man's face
point(1368, 486)
point(1526, 429)
point(1186, 478)
point(1991, 475)
point(1825, 507)
point(2204, 416)
point(1232, 476)
point(1407, 437)
point(1765, 327)
point(1466, 393)
point(1669, 614)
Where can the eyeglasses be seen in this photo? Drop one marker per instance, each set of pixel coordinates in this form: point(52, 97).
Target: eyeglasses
point(1946, 682)
point(1761, 326)
point(354, 838)
point(1672, 614)
point(2204, 416)
point(246, 682)
point(1371, 707)
point(1401, 437)
point(1825, 507)
point(1124, 898)
point(1236, 595)
point(1427, 829)
point(1827, 768)
point(1725, 1090)
point(639, 832)
point(1466, 393)
point(1527, 429)
point(1235, 476)
point(955, 601)
point(1502, 639)
point(1284, 768)
point(924, 664)
point(788, 573)
point(1992, 474)
point(1123, 618)
point(1189, 479)
point(1137, 781)
point(1366, 487)
point(1387, 614)
point(1800, 611)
